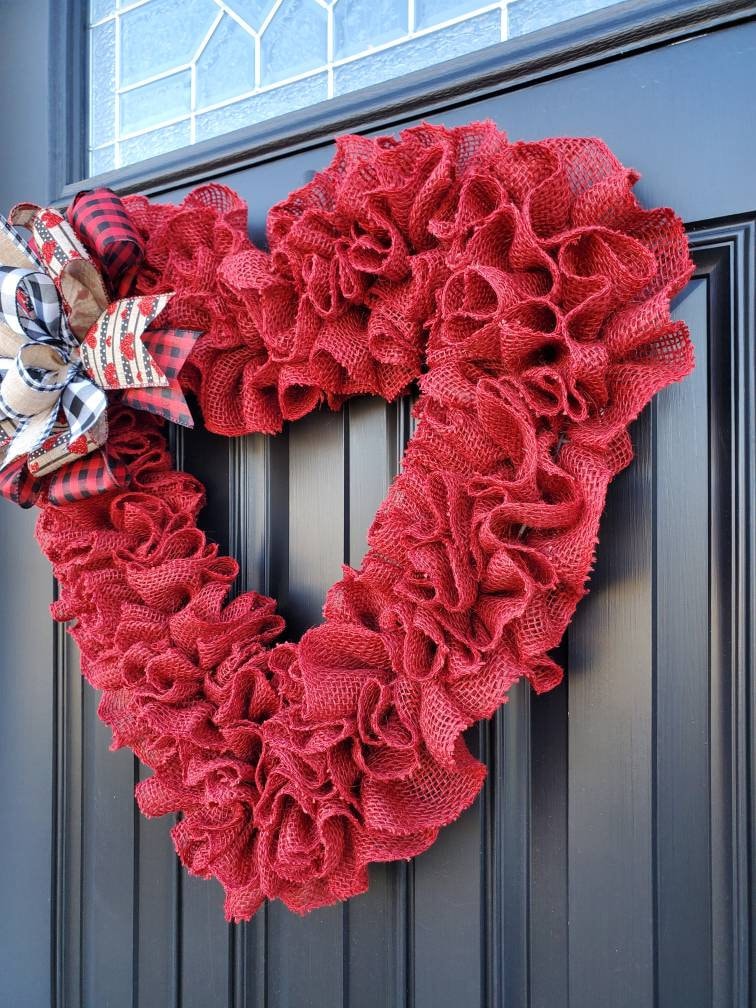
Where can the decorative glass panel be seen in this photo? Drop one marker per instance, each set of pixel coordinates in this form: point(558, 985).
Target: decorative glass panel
point(102, 126)
point(360, 25)
point(530, 15)
point(101, 8)
point(435, 47)
point(295, 40)
point(253, 12)
point(161, 35)
point(150, 104)
point(434, 12)
point(264, 105)
point(226, 66)
point(167, 73)
point(145, 145)
point(102, 159)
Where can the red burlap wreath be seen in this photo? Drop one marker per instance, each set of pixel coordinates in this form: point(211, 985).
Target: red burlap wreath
point(528, 292)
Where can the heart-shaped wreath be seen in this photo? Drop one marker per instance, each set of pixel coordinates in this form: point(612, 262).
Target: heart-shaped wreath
point(528, 293)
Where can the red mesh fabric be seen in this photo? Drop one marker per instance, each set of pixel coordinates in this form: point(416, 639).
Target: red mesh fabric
point(528, 291)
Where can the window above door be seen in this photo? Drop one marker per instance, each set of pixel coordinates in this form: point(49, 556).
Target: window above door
point(165, 74)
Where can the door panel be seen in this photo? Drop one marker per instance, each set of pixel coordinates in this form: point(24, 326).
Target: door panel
point(606, 860)
point(686, 679)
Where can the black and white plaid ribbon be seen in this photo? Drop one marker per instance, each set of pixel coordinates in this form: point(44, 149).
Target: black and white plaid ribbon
point(44, 372)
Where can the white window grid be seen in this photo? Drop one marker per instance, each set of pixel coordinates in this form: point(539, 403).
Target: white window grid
point(329, 6)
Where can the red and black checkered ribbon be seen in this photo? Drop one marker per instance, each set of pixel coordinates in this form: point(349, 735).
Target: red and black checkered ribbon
point(18, 485)
point(170, 349)
point(86, 477)
point(100, 219)
point(89, 476)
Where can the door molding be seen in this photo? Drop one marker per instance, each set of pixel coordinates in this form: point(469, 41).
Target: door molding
point(725, 257)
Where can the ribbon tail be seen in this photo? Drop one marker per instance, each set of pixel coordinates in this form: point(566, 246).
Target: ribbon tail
point(114, 354)
point(87, 477)
point(170, 349)
point(83, 404)
point(18, 485)
point(165, 402)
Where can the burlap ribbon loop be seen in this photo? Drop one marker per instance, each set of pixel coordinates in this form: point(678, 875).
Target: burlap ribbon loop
point(34, 383)
point(42, 372)
point(68, 263)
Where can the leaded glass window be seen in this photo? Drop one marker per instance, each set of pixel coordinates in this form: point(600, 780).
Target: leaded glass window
point(167, 73)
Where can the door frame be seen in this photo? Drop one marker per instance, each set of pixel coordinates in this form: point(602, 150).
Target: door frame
point(726, 252)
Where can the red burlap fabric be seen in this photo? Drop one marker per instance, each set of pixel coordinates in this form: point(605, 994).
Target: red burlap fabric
point(529, 293)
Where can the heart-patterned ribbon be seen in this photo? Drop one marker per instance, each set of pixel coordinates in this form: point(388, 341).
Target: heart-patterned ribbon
point(64, 343)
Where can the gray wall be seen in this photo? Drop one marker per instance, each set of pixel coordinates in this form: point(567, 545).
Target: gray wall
point(26, 677)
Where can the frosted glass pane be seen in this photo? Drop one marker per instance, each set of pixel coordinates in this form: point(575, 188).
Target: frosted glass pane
point(253, 11)
point(100, 9)
point(226, 66)
point(158, 141)
point(456, 40)
point(433, 12)
point(295, 40)
point(102, 160)
point(167, 98)
point(263, 106)
point(161, 35)
point(102, 84)
point(530, 15)
point(359, 25)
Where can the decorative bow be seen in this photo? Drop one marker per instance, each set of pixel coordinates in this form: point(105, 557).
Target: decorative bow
point(64, 343)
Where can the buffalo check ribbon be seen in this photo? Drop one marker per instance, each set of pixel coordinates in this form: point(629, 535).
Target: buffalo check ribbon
point(64, 344)
point(100, 219)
